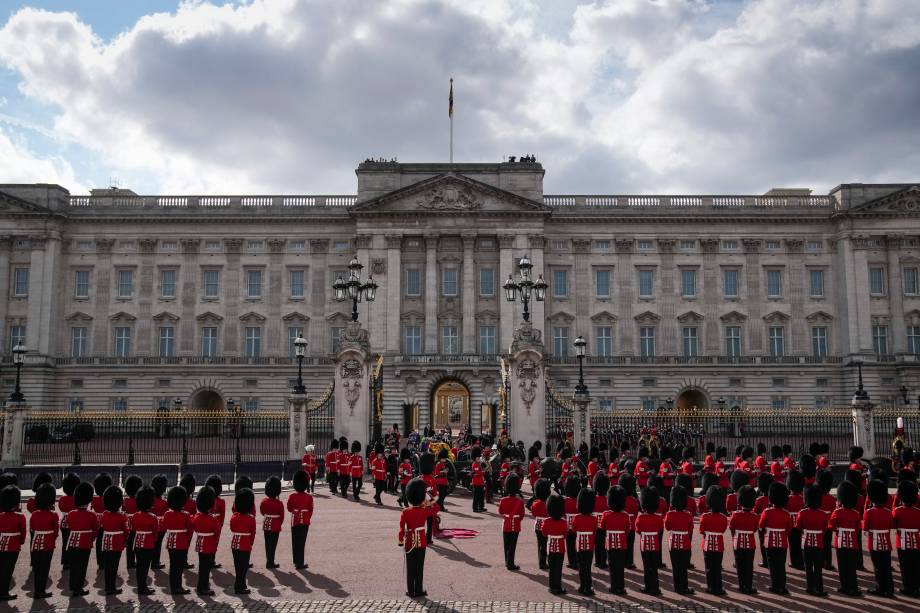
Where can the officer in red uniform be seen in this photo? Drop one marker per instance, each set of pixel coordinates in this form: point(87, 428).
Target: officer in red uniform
point(100, 484)
point(844, 523)
point(631, 508)
point(44, 524)
point(811, 523)
point(344, 467)
point(129, 507)
point(907, 525)
point(300, 506)
point(12, 536)
point(825, 481)
point(613, 469)
point(679, 524)
point(648, 528)
point(357, 469)
point(308, 464)
point(601, 485)
point(795, 481)
point(379, 472)
point(687, 467)
point(65, 505)
point(83, 525)
point(332, 465)
point(405, 475)
point(478, 479)
point(159, 484)
point(533, 466)
point(743, 524)
point(572, 487)
point(584, 527)
point(177, 529)
point(554, 529)
point(713, 524)
point(412, 535)
point(205, 528)
point(511, 509)
point(541, 491)
point(114, 529)
point(641, 469)
point(877, 523)
point(440, 476)
point(615, 526)
point(272, 511)
point(243, 533)
point(144, 525)
point(775, 524)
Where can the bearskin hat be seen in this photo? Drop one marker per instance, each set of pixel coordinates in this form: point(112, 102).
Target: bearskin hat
point(847, 494)
point(657, 483)
point(244, 501)
point(739, 450)
point(215, 483)
point(813, 496)
point(907, 492)
point(787, 449)
point(378, 448)
point(613, 454)
point(355, 447)
point(814, 449)
point(416, 492)
point(747, 453)
point(778, 495)
point(132, 484)
point(776, 452)
point(555, 506)
point(907, 456)
point(710, 447)
point(334, 444)
point(648, 499)
point(404, 454)
point(721, 452)
point(300, 481)
point(101, 483)
point(678, 498)
point(689, 453)
point(877, 492)
point(242, 482)
point(678, 452)
point(512, 484)
point(8, 478)
point(625, 447)
point(628, 483)
point(595, 453)
point(538, 445)
point(443, 453)
point(855, 477)
point(764, 481)
point(83, 495)
point(550, 468)
point(616, 498)
point(685, 481)
point(795, 481)
point(642, 452)
point(45, 497)
point(906, 474)
point(475, 452)
point(426, 463)
point(188, 482)
point(144, 498)
point(572, 486)
point(542, 489)
point(176, 497)
point(856, 453)
point(747, 497)
point(601, 483)
point(112, 498)
point(273, 487)
point(532, 453)
point(808, 466)
point(40, 478)
point(205, 500)
point(630, 466)
point(761, 448)
point(159, 484)
point(343, 443)
point(706, 481)
point(69, 483)
point(739, 479)
point(585, 501)
point(825, 480)
point(566, 453)
point(825, 448)
point(10, 497)
point(665, 453)
point(715, 499)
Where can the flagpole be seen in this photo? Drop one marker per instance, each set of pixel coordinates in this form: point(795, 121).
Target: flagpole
point(451, 114)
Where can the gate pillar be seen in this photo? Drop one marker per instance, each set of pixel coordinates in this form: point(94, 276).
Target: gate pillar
point(527, 386)
point(352, 384)
point(297, 426)
point(13, 425)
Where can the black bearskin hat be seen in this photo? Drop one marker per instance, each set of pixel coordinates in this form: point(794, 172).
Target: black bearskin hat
point(877, 492)
point(550, 468)
point(721, 452)
point(678, 498)
point(624, 447)
point(707, 481)
point(747, 453)
point(856, 453)
point(69, 483)
point(778, 496)
point(83, 495)
point(334, 444)
point(572, 486)
point(613, 454)
point(689, 452)
point(538, 445)
point(595, 453)
point(585, 501)
point(847, 494)
point(630, 467)
point(41, 478)
point(907, 493)
point(144, 498)
point(825, 480)
point(355, 447)
point(747, 497)
point(416, 492)
point(8, 479)
point(616, 498)
point(715, 499)
point(566, 453)
point(657, 483)
point(404, 454)
point(555, 506)
point(159, 484)
point(215, 483)
point(300, 481)
point(776, 452)
point(512, 484)
point(532, 453)
point(764, 481)
point(813, 496)
point(244, 501)
point(601, 484)
point(685, 481)
point(475, 452)
point(906, 474)
point(378, 448)
point(205, 500)
point(814, 450)
point(188, 482)
point(542, 489)
point(442, 454)
point(739, 479)
point(628, 483)
point(132, 484)
point(787, 449)
point(855, 477)
point(825, 448)
point(45, 496)
point(177, 497)
point(426, 463)
point(739, 450)
point(648, 499)
point(808, 466)
point(664, 453)
point(343, 443)
point(642, 452)
point(242, 482)
point(273, 487)
point(112, 499)
point(9, 498)
point(907, 456)
point(710, 447)
point(795, 481)
point(101, 483)
point(761, 448)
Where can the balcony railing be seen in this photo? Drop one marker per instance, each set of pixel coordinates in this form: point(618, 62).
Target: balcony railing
point(210, 203)
point(698, 360)
point(689, 202)
point(444, 358)
point(192, 360)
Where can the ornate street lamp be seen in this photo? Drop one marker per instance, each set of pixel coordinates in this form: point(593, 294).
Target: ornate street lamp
point(905, 391)
point(721, 402)
point(300, 350)
point(860, 396)
point(580, 346)
point(353, 288)
point(581, 419)
point(670, 402)
point(525, 288)
point(19, 356)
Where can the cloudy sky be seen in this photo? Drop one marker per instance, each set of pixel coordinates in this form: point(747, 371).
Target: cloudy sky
point(616, 96)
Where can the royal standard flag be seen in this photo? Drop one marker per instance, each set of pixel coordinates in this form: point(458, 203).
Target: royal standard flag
point(450, 100)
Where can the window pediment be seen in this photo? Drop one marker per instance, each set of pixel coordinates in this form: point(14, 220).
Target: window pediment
point(776, 317)
point(412, 318)
point(295, 316)
point(604, 317)
point(487, 317)
point(252, 317)
point(819, 317)
point(690, 317)
point(561, 317)
point(337, 318)
point(647, 318)
point(165, 316)
point(209, 317)
point(880, 320)
point(122, 316)
point(78, 316)
point(912, 318)
point(734, 317)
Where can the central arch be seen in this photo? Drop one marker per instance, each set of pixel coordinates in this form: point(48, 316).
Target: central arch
point(450, 405)
point(690, 399)
point(207, 400)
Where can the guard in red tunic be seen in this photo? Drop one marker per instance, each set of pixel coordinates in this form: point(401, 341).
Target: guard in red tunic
point(272, 511)
point(615, 526)
point(811, 523)
point(907, 527)
point(541, 492)
point(308, 464)
point(65, 505)
point(177, 529)
point(114, 529)
point(159, 484)
point(844, 522)
point(825, 481)
point(775, 524)
point(144, 525)
point(601, 485)
point(412, 535)
point(795, 481)
point(613, 469)
point(648, 528)
point(511, 509)
point(631, 508)
point(440, 476)
point(344, 467)
point(687, 467)
point(44, 524)
point(572, 487)
point(641, 471)
point(679, 523)
point(100, 484)
point(83, 525)
point(877, 523)
point(40, 479)
point(379, 472)
point(764, 481)
point(533, 466)
point(205, 528)
point(426, 468)
point(332, 465)
point(713, 524)
point(357, 469)
point(12, 536)
point(593, 464)
point(404, 472)
point(554, 529)
point(743, 524)
point(129, 507)
point(584, 526)
point(300, 506)
point(722, 471)
point(738, 480)
point(243, 533)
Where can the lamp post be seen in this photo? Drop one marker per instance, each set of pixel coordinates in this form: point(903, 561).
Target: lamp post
point(19, 356)
point(177, 405)
point(300, 350)
point(905, 394)
point(580, 346)
point(525, 287)
point(353, 288)
point(862, 417)
point(860, 396)
point(670, 402)
point(581, 397)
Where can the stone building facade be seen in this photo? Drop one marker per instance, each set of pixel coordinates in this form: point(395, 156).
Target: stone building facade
point(131, 301)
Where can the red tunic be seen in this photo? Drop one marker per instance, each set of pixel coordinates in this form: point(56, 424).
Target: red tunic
point(642, 475)
point(191, 507)
point(584, 527)
point(693, 505)
point(332, 462)
point(405, 473)
point(114, 531)
point(145, 526)
point(440, 473)
point(177, 526)
point(205, 528)
point(357, 466)
point(663, 507)
point(743, 525)
point(129, 506)
point(731, 503)
point(845, 524)
point(761, 504)
point(44, 526)
point(511, 508)
point(242, 531)
point(722, 473)
point(680, 528)
point(613, 471)
point(97, 506)
point(272, 512)
point(503, 471)
point(828, 503)
point(593, 467)
point(554, 530)
point(83, 527)
point(533, 471)
point(796, 503)
point(631, 508)
point(477, 476)
point(776, 523)
point(430, 486)
point(571, 510)
point(218, 512)
point(159, 509)
point(712, 527)
point(345, 463)
point(877, 524)
point(907, 523)
point(600, 505)
point(413, 533)
point(300, 506)
point(379, 468)
point(12, 531)
point(308, 463)
point(648, 525)
point(616, 528)
point(538, 511)
point(812, 523)
point(65, 506)
point(666, 472)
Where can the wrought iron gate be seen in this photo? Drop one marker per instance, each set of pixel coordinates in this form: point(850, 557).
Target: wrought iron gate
point(559, 416)
point(321, 420)
point(376, 391)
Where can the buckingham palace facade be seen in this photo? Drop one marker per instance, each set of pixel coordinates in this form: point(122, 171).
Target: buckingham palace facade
point(129, 301)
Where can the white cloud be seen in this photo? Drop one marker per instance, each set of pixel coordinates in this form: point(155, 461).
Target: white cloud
point(615, 96)
point(20, 165)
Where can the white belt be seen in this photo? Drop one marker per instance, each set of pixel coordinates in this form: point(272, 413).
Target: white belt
point(812, 531)
point(583, 533)
point(905, 531)
point(241, 534)
point(107, 533)
point(672, 532)
point(40, 532)
point(271, 516)
point(204, 534)
point(9, 534)
point(710, 534)
point(135, 532)
point(744, 532)
point(776, 529)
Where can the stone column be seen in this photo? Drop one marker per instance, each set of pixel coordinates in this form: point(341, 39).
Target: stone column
point(13, 422)
point(625, 293)
point(896, 329)
point(583, 282)
point(297, 428)
point(432, 290)
point(468, 296)
point(393, 293)
point(6, 243)
point(38, 333)
point(142, 343)
point(188, 299)
point(581, 420)
point(669, 334)
point(506, 267)
point(708, 286)
point(231, 281)
point(753, 299)
point(276, 290)
point(352, 384)
point(796, 288)
point(527, 383)
point(322, 288)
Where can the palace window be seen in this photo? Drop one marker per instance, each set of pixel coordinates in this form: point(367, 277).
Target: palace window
point(880, 339)
point(913, 339)
point(449, 340)
point(649, 403)
point(486, 281)
point(604, 344)
point(774, 245)
point(211, 283)
point(413, 340)
point(21, 282)
point(910, 281)
point(814, 245)
point(209, 342)
point(253, 342)
point(687, 245)
point(774, 283)
point(733, 341)
point(17, 336)
point(646, 245)
point(122, 341)
point(729, 245)
point(335, 334)
point(647, 342)
point(168, 283)
point(778, 403)
point(777, 341)
point(602, 283)
point(560, 283)
point(730, 283)
point(816, 278)
point(120, 404)
point(167, 342)
point(487, 340)
point(645, 283)
point(125, 283)
point(602, 245)
point(688, 283)
point(690, 346)
point(560, 341)
point(413, 282)
point(254, 283)
point(449, 282)
point(81, 284)
point(877, 281)
point(78, 338)
point(819, 341)
point(297, 283)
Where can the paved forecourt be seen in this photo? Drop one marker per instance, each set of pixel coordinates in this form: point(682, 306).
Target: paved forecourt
point(354, 560)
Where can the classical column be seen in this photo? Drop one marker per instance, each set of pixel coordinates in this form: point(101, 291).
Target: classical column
point(707, 294)
point(796, 285)
point(297, 426)
point(393, 292)
point(668, 300)
point(142, 343)
point(625, 293)
point(863, 298)
point(38, 332)
point(231, 280)
point(6, 243)
point(273, 294)
point(506, 267)
point(432, 290)
point(897, 331)
point(13, 423)
point(582, 288)
point(188, 299)
point(469, 295)
point(753, 293)
point(321, 281)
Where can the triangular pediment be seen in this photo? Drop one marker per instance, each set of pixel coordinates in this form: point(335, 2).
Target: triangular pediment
point(209, 316)
point(604, 317)
point(690, 317)
point(252, 316)
point(449, 193)
point(733, 317)
point(647, 318)
point(165, 316)
point(77, 316)
point(295, 316)
point(901, 202)
point(11, 205)
point(776, 317)
point(819, 317)
point(122, 316)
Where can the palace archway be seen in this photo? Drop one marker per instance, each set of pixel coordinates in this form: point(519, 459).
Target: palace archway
point(690, 399)
point(450, 405)
point(207, 400)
